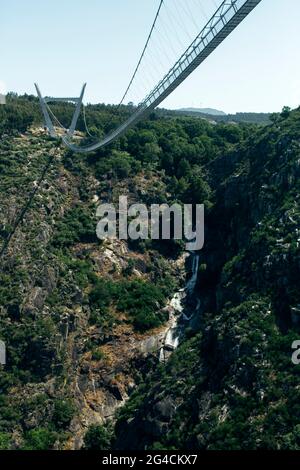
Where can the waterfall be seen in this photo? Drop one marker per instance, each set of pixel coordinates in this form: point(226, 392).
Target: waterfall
point(171, 340)
point(176, 301)
point(192, 282)
point(161, 355)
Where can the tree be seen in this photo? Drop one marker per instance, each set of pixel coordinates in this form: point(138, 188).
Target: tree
point(4, 441)
point(39, 439)
point(97, 437)
point(63, 413)
point(286, 111)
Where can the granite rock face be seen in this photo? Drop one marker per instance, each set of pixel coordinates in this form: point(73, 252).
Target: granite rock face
point(224, 387)
point(211, 370)
point(77, 363)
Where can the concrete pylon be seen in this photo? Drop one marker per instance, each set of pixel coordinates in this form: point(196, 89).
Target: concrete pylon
point(48, 122)
point(47, 118)
point(77, 112)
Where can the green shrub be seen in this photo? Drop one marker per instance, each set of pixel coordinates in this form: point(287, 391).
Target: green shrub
point(141, 300)
point(118, 164)
point(77, 226)
point(39, 439)
point(5, 441)
point(97, 355)
point(97, 438)
point(63, 413)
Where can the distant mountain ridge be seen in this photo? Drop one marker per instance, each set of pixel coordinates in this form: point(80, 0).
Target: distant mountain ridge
point(219, 116)
point(210, 111)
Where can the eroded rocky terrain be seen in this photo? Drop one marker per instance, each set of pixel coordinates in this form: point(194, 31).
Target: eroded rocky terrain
point(139, 345)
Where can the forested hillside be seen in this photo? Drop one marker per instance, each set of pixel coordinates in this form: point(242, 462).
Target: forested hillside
point(83, 319)
point(233, 385)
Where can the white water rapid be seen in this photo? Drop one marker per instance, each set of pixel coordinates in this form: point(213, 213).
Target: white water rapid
point(172, 337)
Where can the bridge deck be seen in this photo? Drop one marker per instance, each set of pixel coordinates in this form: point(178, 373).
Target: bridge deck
point(228, 16)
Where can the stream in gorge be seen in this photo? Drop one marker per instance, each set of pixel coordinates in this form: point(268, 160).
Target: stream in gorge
point(179, 319)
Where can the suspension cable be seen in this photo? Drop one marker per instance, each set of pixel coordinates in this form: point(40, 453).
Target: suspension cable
point(27, 205)
point(143, 53)
point(56, 119)
point(194, 55)
point(84, 120)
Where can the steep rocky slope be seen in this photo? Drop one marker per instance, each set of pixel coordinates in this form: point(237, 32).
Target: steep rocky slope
point(86, 323)
point(73, 353)
point(233, 385)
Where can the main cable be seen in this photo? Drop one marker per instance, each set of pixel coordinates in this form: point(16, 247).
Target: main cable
point(27, 204)
point(143, 53)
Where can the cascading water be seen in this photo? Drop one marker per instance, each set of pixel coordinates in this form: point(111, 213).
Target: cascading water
point(190, 287)
point(176, 301)
point(172, 337)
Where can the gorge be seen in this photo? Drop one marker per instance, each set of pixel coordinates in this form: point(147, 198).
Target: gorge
point(134, 344)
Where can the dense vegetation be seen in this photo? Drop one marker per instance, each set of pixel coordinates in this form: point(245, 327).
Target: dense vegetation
point(233, 385)
point(70, 305)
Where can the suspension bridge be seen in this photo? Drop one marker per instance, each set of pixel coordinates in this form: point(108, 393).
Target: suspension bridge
point(218, 27)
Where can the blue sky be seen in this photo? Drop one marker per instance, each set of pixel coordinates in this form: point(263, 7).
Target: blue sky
point(63, 43)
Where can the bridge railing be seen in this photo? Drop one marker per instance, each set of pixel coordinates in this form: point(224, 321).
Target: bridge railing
point(225, 13)
point(228, 16)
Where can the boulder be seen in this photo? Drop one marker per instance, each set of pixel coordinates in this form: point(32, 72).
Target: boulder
point(35, 300)
point(165, 408)
point(49, 279)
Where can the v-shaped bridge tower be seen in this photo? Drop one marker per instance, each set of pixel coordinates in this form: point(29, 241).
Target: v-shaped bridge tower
point(48, 121)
